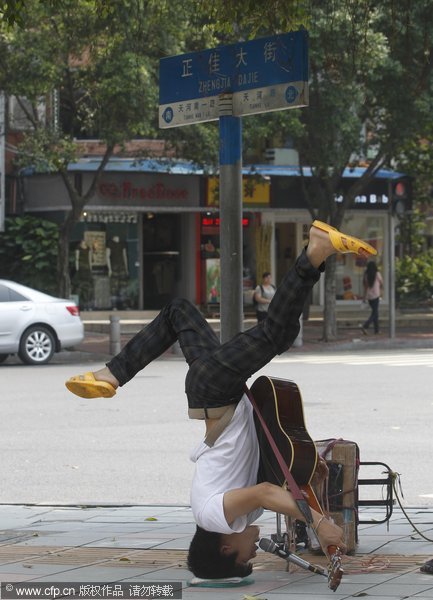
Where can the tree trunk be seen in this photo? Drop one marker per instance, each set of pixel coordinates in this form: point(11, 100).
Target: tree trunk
point(63, 274)
point(329, 313)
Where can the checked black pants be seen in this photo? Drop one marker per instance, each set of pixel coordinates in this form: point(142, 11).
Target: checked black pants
point(217, 372)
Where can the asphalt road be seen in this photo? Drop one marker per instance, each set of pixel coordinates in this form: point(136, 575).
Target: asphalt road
point(134, 448)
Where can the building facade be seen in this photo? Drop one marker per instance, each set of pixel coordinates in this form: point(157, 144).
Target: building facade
point(151, 230)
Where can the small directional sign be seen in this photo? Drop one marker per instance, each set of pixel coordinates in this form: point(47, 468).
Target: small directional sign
point(263, 75)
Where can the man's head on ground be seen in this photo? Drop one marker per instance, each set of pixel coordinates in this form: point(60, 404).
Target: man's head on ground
point(219, 555)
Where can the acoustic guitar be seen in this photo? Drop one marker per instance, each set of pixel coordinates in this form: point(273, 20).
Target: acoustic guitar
point(280, 403)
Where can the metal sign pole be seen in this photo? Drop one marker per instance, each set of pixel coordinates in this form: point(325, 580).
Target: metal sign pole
point(230, 198)
point(226, 83)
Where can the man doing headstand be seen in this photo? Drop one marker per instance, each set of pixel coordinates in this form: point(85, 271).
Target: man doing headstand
point(225, 496)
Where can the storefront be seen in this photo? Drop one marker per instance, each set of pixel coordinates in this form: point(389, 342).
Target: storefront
point(368, 219)
point(256, 198)
point(135, 246)
point(290, 235)
point(151, 231)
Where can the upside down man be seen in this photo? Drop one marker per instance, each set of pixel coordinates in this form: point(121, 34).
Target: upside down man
point(226, 498)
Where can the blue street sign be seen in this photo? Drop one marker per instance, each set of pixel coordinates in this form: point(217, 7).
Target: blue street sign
point(263, 74)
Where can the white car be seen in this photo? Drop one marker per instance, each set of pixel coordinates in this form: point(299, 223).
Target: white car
point(35, 325)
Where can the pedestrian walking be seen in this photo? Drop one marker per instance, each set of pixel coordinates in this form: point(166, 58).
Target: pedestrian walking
point(373, 290)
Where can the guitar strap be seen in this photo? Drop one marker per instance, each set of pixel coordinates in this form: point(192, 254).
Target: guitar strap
point(302, 503)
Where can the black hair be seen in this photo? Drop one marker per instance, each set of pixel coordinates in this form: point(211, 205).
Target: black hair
point(265, 274)
point(206, 560)
point(370, 273)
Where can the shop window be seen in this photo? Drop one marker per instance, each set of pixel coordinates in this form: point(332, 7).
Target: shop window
point(104, 274)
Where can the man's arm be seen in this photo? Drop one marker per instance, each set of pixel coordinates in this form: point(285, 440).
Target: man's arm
point(263, 495)
point(272, 497)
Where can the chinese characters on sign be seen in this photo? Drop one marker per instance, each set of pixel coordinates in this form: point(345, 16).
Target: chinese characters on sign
point(263, 75)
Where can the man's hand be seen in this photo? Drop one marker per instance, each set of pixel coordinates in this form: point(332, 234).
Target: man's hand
point(329, 534)
point(321, 473)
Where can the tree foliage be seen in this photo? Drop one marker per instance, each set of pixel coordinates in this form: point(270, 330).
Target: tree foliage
point(28, 251)
point(96, 71)
point(370, 102)
point(370, 85)
point(414, 280)
point(416, 160)
point(231, 20)
point(11, 11)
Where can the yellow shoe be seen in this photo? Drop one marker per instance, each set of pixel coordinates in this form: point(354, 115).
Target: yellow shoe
point(86, 386)
point(345, 244)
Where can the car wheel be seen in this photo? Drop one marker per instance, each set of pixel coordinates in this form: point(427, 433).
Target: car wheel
point(36, 346)
point(3, 357)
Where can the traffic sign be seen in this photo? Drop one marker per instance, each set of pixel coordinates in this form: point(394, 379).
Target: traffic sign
point(263, 75)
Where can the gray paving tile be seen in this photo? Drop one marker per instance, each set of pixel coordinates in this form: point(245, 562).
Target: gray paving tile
point(395, 529)
point(166, 534)
point(13, 536)
point(304, 596)
point(373, 544)
point(214, 594)
point(367, 578)
point(13, 577)
point(94, 574)
point(414, 576)
point(60, 540)
point(282, 577)
point(176, 544)
point(387, 590)
point(143, 544)
point(126, 527)
point(32, 569)
point(163, 574)
point(312, 586)
point(408, 547)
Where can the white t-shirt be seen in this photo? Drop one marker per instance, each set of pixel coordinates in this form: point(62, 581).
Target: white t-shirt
point(267, 293)
point(232, 463)
point(373, 292)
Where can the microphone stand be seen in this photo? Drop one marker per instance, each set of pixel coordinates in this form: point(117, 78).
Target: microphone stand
point(333, 575)
point(278, 550)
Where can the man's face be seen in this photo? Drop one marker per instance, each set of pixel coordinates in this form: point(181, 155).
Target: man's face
point(245, 543)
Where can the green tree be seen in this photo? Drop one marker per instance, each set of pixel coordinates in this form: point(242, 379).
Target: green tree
point(28, 250)
point(370, 95)
point(414, 280)
point(73, 53)
point(11, 11)
point(417, 160)
point(102, 66)
point(370, 85)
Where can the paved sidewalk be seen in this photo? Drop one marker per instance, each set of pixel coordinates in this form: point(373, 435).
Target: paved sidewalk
point(147, 545)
